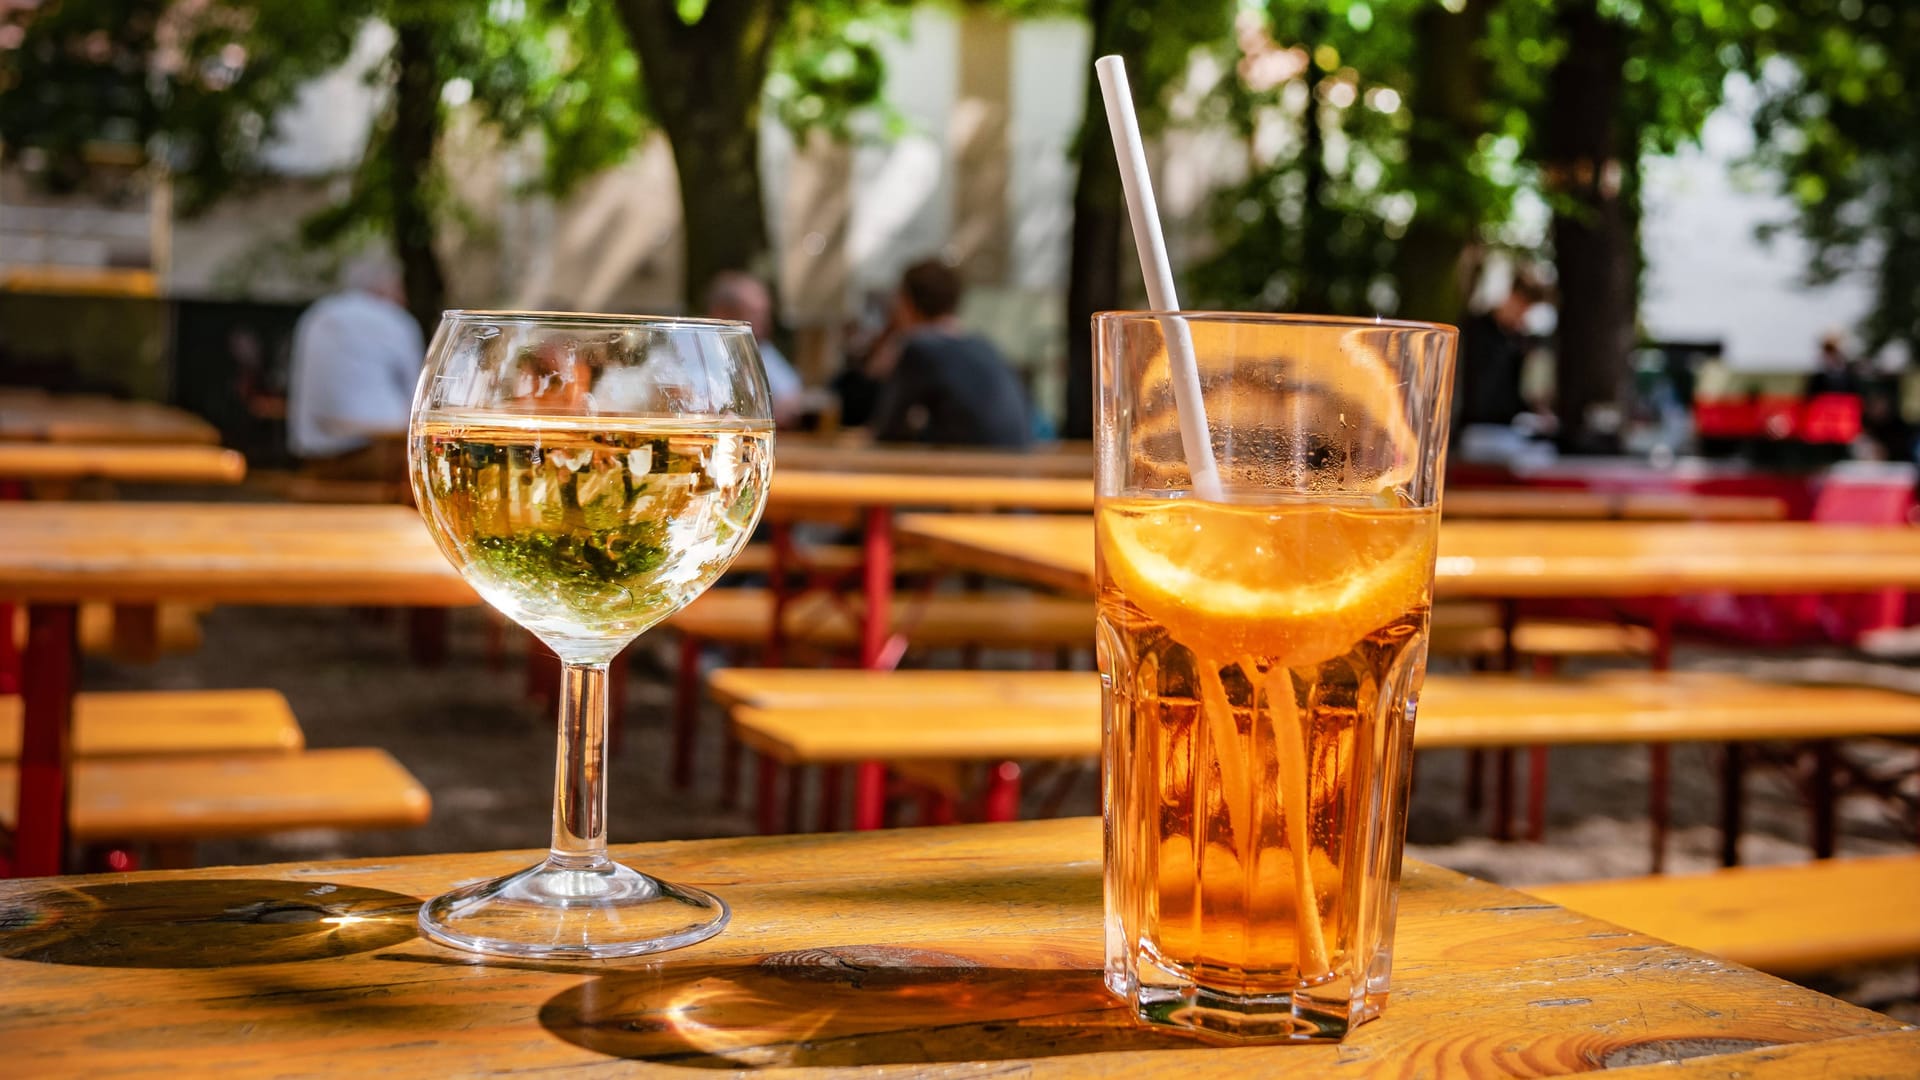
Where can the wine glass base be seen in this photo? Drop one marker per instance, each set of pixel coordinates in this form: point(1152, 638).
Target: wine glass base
point(553, 910)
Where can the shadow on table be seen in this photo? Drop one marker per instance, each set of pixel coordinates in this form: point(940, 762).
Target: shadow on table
point(854, 1006)
point(200, 924)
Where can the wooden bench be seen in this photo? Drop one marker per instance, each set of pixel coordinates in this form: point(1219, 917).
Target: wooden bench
point(165, 722)
point(835, 717)
point(1008, 620)
point(1473, 629)
point(1789, 920)
point(202, 797)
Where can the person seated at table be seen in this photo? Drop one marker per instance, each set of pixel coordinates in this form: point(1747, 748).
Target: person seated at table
point(741, 297)
point(1493, 355)
point(356, 357)
point(947, 386)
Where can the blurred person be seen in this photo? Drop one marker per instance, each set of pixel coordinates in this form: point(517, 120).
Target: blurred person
point(1836, 373)
point(1493, 356)
point(741, 297)
point(946, 386)
point(357, 355)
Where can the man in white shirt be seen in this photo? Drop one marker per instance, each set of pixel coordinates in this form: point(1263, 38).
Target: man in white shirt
point(744, 298)
point(356, 357)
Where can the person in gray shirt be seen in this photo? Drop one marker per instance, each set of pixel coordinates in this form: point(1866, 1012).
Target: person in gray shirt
point(948, 387)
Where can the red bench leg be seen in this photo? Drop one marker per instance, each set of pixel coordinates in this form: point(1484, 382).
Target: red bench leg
point(1661, 763)
point(1536, 793)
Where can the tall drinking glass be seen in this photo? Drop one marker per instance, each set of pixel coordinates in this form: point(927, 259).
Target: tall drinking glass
point(1261, 652)
point(588, 475)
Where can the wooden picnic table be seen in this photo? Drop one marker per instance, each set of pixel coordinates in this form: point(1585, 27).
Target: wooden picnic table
point(872, 500)
point(966, 950)
point(61, 463)
point(34, 417)
point(56, 555)
point(1508, 559)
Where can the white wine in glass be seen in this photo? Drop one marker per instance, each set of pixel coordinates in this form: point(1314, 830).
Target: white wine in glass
point(589, 476)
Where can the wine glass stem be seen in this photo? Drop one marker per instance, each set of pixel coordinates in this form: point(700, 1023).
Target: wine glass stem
point(580, 771)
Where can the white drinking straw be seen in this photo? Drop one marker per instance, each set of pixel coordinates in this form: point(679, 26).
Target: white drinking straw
point(1182, 371)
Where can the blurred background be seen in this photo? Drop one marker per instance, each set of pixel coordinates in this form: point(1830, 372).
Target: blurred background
point(1681, 209)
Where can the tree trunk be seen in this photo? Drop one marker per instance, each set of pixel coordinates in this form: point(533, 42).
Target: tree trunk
point(1448, 110)
point(1592, 233)
point(703, 85)
point(410, 148)
point(1317, 221)
point(1099, 215)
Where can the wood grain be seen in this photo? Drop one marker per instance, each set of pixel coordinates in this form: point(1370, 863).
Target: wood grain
point(852, 716)
point(234, 553)
point(1792, 919)
point(1893, 1056)
point(142, 723)
point(156, 464)
point(1508, 559)
point(960, 952)
point(206, 796)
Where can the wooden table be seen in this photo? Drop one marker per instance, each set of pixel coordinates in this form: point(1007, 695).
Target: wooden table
point(1551, 504)
point(56, 555)
point(35, 417)
point(1069, 460)
point(873, 499)
point(958, 951)
point(1516, 560)
point(135, 463)
point(1510, 560)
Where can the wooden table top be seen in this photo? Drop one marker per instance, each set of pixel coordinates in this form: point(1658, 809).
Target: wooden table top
point(1073, 461)
point(160, 463)
point(973, 949)
point(1551, 504)
point(1509, 558)
point(797, 492)
point(236, 553)
point(36, 417)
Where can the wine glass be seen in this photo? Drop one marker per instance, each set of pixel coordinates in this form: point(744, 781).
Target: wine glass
point(589, 475)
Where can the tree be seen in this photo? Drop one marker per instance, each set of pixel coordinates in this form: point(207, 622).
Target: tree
point(704, 65)
point(1447, 103)
point(1838, 124)
point(1156, 39)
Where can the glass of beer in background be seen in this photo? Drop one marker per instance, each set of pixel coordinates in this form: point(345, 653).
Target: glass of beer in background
point(1261, 649)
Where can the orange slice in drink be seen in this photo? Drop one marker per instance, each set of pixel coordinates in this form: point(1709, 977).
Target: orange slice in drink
point(1292, 583)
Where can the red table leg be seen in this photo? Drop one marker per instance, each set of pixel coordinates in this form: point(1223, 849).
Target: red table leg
point(9, 653)
point(869, 795)
point(1002, 802)
point(47, 685)
point(870, 777)
point(686, 710)
point(777, 571)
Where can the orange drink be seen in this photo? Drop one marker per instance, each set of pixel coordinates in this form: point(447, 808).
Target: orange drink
point(1261, 655)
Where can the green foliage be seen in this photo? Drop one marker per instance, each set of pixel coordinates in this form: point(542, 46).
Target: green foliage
point(1839, 126)
point(199, 85)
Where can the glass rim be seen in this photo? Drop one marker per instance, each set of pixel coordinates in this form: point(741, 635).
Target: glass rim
point(1328, 322)
point(588, 318)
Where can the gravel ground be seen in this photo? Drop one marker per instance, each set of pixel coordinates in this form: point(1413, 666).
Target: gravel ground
point(484, 750)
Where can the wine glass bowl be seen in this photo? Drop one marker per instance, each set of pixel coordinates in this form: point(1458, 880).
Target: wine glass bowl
point(589, 475)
